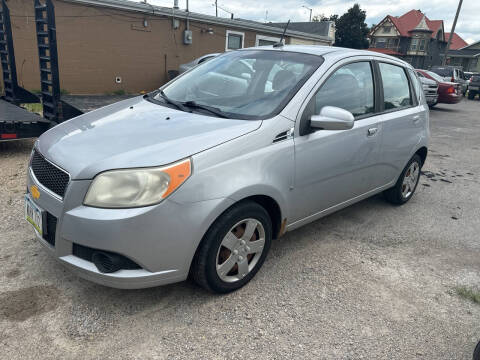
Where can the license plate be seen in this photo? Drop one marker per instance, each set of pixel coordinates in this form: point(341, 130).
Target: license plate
point(473, 87)
point(34, 215)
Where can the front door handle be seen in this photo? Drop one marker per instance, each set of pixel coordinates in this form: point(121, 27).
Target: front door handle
point(416, 119)
point(372, 131)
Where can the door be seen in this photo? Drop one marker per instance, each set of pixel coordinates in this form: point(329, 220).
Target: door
point(332, 167)
point(403, 118)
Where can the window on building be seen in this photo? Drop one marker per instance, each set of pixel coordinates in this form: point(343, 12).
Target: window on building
point(261, 40)
point(392, 43)
point(235, 40)
point(387, 29)
point(396, 89)
point(422, 45)
point(380, 43)
point(414, 44)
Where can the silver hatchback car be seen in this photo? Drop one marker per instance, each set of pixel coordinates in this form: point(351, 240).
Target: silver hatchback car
point(197, 178)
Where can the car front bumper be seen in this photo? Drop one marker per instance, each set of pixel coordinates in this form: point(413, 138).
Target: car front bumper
point(161, 239)
point(431, 99)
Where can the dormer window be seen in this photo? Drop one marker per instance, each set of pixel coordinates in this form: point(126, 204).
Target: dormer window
point(413, 44)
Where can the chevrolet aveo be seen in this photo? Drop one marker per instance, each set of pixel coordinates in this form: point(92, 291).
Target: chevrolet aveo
point(197, 178)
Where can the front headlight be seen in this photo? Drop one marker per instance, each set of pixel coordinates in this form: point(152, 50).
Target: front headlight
point(136, 187)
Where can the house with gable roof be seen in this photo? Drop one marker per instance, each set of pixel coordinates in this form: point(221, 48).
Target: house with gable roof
point(467, 56)
point(413, 37)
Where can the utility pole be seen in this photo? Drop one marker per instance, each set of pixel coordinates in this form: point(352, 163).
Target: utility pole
point(216, 8)
point(310, 12)
point(452, 32)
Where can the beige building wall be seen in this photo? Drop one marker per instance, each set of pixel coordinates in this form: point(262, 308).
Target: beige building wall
point(297, 41)
point(96, 45)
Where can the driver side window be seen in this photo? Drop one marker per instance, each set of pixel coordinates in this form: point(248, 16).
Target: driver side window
point(350, 88)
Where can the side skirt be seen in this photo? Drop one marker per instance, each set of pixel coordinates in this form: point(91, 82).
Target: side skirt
point(337, 207)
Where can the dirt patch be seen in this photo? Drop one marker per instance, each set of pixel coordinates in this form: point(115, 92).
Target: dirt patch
point(13, 273)
point(22, 304)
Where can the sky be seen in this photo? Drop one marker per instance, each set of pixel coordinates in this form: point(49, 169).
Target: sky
point(468, 24)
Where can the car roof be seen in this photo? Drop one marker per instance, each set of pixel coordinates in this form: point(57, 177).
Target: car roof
point(326, 51)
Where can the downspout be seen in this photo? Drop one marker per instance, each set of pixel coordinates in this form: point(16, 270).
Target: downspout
point(187, 21)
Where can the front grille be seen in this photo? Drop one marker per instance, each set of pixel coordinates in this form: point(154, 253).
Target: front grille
point(50, 229)
point(54, 179)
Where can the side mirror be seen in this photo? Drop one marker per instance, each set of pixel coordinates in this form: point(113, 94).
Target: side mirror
point(332, 118)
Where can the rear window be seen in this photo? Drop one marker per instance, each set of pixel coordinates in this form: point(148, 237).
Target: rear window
point(442, 71)
point(475, 78)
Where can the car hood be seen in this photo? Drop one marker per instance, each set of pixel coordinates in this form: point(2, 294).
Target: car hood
point(134, 133)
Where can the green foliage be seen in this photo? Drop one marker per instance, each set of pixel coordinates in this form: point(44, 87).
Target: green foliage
point(33, 107)
point(351, 29)
point(322, 17)
point(64, 92)
point(119, 92)
point(468, 294)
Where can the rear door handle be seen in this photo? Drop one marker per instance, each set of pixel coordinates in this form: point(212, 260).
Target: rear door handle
point(372, 131)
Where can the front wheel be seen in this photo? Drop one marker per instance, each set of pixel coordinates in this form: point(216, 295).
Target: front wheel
point(233, 249)
point(406, 183)
point(471, 95)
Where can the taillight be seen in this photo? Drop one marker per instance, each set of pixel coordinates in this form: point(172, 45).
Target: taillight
point(451, 90)
point(453, 80)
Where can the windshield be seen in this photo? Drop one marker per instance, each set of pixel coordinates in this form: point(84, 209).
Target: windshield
point(435, 76)
point(443, 71)
point(247, 84)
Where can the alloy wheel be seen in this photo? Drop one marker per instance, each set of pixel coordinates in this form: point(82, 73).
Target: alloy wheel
point(240, 250)
point(410, 180)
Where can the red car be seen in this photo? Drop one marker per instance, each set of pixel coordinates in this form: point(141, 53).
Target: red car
point(448, 92)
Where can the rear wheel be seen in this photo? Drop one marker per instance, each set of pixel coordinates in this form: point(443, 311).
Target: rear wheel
point(476, 352)
point(406, 183)
point(234, 248)
point(471, 95)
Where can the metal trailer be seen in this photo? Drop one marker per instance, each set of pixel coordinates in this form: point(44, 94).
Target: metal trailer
point(15, 121)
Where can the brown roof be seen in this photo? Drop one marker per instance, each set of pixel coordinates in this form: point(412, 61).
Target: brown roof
point(457, 41)
point(410, 20)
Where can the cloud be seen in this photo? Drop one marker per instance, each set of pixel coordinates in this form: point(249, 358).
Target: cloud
point(468, 25)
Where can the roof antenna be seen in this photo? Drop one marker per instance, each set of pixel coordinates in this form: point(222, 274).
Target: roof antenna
point(280, 43)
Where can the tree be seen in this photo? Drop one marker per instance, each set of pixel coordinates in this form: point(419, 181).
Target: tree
point(322, 17)
point(351, 29)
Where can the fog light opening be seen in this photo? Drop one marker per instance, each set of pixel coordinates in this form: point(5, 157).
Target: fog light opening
point(107, 263)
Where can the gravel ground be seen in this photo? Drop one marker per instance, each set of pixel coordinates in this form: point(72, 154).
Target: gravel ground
point(372, 281)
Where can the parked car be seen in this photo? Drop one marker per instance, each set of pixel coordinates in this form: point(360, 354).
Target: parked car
point(184, 67)
point(193, 181)
point(448, 92)
point(430, 89)
point(474, 87)
point(452, 74)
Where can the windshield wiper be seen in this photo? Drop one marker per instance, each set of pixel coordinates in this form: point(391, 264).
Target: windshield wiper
point(193, 105)
point(175, 103)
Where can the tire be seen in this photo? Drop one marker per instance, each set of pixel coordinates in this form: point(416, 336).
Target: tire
point(225, 244)
point(476, 352)
point(401, 192)
point(471, 95)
